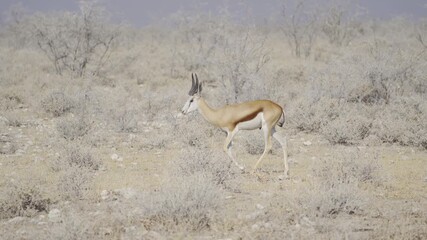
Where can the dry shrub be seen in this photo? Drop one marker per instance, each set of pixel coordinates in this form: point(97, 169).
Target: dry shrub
point(10, 101)
point(337, 186)
point(79, 220)
point(13, 119)
point(75, 183)
point(77, 168)
point(403, 220)
point(22, 197)
point(312, 116)
point(194, 131)
point(74, 224)
point(402, 122)
point(214, 164)
point(8, 144)
point(78, 156)
point(125, 120)
point(73, 128)
point(332, 203)
point(351, 125)
point(57, 103)
point(253, 142)
point(189, 202)
point(372, 89)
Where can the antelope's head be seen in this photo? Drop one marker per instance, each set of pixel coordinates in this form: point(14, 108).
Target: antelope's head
point(196, 89)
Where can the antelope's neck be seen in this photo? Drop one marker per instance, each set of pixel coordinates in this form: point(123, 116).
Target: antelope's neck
point(207, 112)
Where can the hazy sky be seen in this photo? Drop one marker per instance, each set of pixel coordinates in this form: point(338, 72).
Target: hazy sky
point(143, 12)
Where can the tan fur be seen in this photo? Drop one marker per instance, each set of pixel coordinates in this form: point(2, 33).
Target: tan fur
point(231, 115)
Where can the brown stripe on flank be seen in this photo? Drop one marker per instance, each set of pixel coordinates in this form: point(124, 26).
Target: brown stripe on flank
point(248, 117)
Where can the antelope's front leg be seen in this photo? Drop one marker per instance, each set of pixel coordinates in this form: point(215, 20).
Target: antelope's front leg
point(227, 148)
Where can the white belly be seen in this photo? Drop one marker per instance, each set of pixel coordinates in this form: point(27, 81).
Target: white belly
point(253, 123)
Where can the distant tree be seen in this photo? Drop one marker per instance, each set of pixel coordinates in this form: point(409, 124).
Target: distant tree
point(338, 22)
point(299, 24)
point(76, 42)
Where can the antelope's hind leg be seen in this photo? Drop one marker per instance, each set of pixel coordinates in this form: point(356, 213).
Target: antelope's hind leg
point(267, 146)
point(281, 138)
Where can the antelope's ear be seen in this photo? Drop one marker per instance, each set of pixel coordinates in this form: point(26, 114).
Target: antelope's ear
point(200, 87)
point(198, 84)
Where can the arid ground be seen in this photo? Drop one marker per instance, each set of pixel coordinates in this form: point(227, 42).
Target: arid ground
point(93, 144)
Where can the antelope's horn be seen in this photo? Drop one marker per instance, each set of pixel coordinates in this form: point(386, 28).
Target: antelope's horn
point(193, 85)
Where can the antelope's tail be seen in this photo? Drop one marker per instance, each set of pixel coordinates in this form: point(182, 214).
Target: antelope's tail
point(281, 121)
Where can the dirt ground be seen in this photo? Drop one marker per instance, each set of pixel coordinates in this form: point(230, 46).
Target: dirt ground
point(403, 169)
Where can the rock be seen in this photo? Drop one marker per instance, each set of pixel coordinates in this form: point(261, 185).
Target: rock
point(153, 235)
point(4, 121)
point(307, 143)
point(114, 157)
point(126, 193)
point(252, 216)
point(255, 227)
point(16, 220)
point(105, 231)
point(306, 222)
point(54, 215)
point(105, 194)
point(20, 152)
point(259, 206)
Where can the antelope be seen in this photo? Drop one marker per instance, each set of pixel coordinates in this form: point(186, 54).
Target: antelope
point(251, 115)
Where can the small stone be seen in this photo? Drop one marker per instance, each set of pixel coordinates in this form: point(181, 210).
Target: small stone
point(307, 143)
point(267, 225)
point(153, 235)
point(114, 157)
point(54, 215)
point(126, 193)
point(104, 194)
point(255, 227)
point(259, 206)
point(16, 220)
point(253, 216)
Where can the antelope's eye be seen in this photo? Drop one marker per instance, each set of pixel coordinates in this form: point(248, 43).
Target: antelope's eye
point(191, 100)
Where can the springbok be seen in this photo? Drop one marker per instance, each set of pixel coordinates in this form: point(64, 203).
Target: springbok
point(259, 114)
